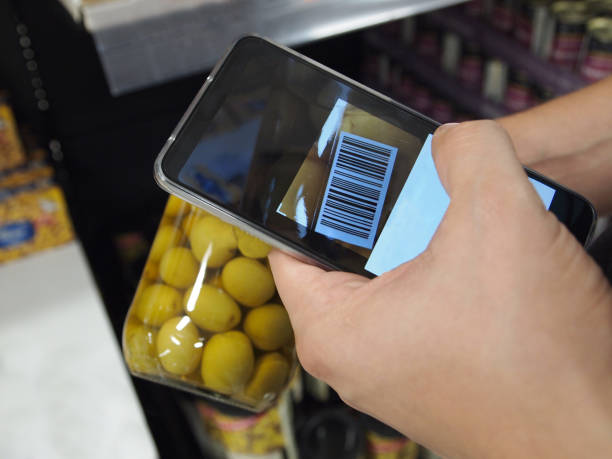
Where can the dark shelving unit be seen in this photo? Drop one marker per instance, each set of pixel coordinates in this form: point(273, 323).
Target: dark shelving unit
point(429, 71)
point(504, 47)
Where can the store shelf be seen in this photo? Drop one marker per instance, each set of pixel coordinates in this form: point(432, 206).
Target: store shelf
point(146, 42)
point(430, 72)
point(545, 74)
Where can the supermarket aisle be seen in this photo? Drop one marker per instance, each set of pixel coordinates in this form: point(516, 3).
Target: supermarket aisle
point(65, 393)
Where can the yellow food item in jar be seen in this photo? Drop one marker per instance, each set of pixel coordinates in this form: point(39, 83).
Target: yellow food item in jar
point(213, 309)
point(175, 206)
point(167, 236)
point(189, 220)
point(139, 346)
point(227, 362)
point(157, 303)
point(248, 281)
point(250, 246)
point(213, 239)
point(178, 267)
point(179, 346)
point(215, 280)
point(268, 327)
point(151, 271)
point(269, 376)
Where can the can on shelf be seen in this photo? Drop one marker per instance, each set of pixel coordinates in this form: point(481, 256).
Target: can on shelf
point(428, 41)
point(519, 93)
point(596, 62)
point(408, 30)
point(206, 317)
point(503, 15)
point(566, 32)
point(471, 66)
point(495, 80)
point(530, 26)
point(451, 53)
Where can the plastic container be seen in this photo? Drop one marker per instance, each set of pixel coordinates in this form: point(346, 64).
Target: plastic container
point(206, 316)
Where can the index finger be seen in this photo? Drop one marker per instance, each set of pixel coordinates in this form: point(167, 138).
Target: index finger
point(306, 289)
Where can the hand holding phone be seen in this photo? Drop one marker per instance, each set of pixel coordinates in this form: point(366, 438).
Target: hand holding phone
point(317, 164)
point(500, 327)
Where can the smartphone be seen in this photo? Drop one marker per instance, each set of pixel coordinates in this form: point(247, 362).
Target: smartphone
point(318, 165)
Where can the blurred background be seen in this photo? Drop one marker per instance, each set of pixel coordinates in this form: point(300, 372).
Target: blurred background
point(90, 91)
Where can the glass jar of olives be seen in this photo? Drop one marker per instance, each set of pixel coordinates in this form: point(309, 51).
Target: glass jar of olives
point(206, 316)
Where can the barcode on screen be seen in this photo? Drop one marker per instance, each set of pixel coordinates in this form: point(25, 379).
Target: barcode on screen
point(356, 190)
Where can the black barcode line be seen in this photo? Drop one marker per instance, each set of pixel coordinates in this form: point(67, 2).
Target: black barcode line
point(362, 179)
point(372, 156)
point(340, 205)
point(355, 189)
point(383, 150)
point(361, 160)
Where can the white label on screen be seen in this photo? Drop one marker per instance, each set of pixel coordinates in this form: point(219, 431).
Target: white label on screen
point(356, 190)
point(417, 213)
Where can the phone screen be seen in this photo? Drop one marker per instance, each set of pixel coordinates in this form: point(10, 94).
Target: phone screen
point(315, 160)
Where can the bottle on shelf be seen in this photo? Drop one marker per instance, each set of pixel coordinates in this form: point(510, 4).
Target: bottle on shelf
point(383, 442)
point(565, 33)
point(596, 56)
point(234, 433)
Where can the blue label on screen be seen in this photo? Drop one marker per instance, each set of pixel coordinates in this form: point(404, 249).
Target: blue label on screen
point(417, 213)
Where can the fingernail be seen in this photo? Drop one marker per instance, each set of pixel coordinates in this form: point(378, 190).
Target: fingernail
point(444, 128)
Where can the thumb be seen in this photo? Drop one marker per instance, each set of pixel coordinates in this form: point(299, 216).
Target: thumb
point(476, 160)
point(307, 291)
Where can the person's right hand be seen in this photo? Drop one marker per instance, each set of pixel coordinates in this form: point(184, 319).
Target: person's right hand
point(495, 342)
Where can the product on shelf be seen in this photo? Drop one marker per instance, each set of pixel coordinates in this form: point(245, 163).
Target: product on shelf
point(596, 62)
point(427, 41)
point(238, 433)
point(471, 66)
point(451, 53)
point(519, 93)
point(383, 442)
point(503, 14)
point(495, 80)
point(11, 150)
point(33, 217)
point(206, 316)
point(408, 30)
point(332, 433)
point(566, 32)
point(530, 24)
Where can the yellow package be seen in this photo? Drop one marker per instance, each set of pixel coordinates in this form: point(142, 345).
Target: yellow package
point(11, 150)
point(32, 218)
point(33, 172)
